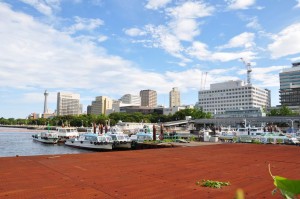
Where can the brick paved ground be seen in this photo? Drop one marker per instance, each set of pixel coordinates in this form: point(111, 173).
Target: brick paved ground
point(152, 173)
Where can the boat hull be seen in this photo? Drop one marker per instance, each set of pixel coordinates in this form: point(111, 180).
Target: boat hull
point(46, 141)
point(126, 145)
point(89, 145)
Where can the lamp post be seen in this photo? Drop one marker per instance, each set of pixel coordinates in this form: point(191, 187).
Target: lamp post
point(292, 124)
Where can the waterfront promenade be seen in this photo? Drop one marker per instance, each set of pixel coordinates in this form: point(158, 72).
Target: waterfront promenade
point(152, 173)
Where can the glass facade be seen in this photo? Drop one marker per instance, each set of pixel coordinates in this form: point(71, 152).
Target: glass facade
point(290, 86)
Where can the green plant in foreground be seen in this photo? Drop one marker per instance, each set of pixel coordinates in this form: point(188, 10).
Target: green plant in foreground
point(288, 188)
point(212, 184)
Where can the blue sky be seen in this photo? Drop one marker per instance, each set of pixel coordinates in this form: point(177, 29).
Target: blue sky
point(115, 47)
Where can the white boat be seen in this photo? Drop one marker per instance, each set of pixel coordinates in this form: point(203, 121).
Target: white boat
point(252, 131)
point(48, 137)
point(120, 139)
point(65, 133)
point(142, 136)
point(226, 131)
point(273, 137)
point(91, 141)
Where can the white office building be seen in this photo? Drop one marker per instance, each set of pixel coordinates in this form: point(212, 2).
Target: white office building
point(68, 104)
point(174, 109)
point(101, 105)
point(233, 95)
point(174, 97)
point(134, 100)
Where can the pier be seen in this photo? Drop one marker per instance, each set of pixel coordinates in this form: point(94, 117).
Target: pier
point(153, 173)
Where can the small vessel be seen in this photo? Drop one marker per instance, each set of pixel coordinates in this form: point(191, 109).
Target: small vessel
point(48, 137)
point(120, 139)
point(65, 133)
point(142, 136)
point(91, 141)
point(273, 138)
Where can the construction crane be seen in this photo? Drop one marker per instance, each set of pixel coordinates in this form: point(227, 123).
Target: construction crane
point(249, 70)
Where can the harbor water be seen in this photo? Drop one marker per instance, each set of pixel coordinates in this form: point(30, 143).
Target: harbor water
point(18, 141)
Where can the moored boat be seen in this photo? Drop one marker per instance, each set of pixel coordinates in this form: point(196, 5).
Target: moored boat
point(47, 137)
point(65, 133)
point(120, 139)
point(273, 137)
point(91, 141)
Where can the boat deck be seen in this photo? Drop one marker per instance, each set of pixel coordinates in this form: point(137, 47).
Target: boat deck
point(152, 173)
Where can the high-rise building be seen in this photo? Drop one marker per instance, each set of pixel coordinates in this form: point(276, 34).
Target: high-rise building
point(134, 100)
point(233, 95)
point(174, 97)
point(101, 105)
point(68, 104)
point(148, 98)
point(290, 86)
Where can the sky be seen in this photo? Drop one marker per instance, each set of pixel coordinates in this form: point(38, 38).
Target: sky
point(117, 47)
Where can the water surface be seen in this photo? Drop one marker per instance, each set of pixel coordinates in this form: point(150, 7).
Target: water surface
point(18, 141)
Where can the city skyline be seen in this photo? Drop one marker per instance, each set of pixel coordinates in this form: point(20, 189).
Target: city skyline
point(108, 48)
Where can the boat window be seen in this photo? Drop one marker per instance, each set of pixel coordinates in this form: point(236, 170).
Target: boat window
point(120, 137)
point(114, 137)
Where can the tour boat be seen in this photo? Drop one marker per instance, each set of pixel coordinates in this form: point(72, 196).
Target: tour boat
point(65, 133)
point(91, 141)
point(120, 139)
point(48, 137)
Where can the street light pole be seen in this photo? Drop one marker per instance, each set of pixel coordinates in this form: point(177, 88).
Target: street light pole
point(292, 124)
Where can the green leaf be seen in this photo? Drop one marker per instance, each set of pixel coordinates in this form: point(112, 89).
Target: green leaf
point(291, 186)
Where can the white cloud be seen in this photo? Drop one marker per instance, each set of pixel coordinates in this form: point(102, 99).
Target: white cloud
point(190, 10)
point(240, 4)
point(254, 24)
point(295, 59)
point(229, 56)
point(267, 76)
point(286, 42)
point(40, 56)
point(156, 4)
point(46, 7)
point(84, 24)
point(133, 32)
point(185, 29)
point(298, 4)
point(183, 22)
point(102, 38)
point(199, 50)
point(244, 40)
point(182, 26)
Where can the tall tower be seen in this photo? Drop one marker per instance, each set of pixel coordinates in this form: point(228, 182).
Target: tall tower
point(45, 102)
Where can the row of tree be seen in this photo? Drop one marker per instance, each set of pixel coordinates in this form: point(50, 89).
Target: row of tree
point(88, 120)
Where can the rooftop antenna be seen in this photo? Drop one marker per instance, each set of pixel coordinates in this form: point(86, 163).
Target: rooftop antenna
point(249, 70)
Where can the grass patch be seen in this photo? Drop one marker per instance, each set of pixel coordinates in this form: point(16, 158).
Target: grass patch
point(212, 184)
